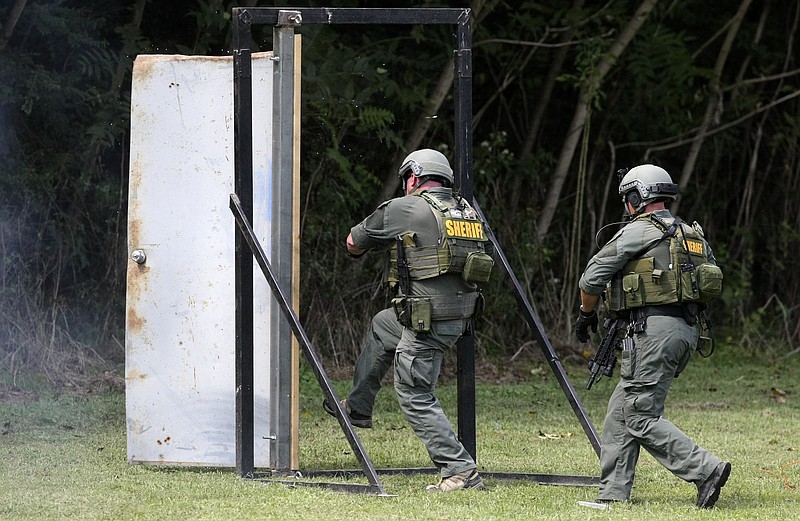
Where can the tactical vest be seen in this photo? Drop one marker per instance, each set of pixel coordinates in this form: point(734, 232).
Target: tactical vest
point(461, 247)
point(688, 277)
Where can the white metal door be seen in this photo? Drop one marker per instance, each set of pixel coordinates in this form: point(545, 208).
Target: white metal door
point(180, 334)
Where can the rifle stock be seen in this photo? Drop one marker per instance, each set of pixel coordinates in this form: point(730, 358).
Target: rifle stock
point(403, 274)
point(404, 277)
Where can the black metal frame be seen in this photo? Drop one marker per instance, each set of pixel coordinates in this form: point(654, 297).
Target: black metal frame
point(249, 236)
point(243, 20)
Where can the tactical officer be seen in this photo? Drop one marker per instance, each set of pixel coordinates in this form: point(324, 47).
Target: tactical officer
point(658, 272)
point(437, 253)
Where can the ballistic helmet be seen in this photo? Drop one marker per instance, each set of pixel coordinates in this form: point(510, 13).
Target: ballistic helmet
point(427, 163)
point(645, 184)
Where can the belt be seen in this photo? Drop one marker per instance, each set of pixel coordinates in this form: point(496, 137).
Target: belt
point(659, 311)
point(449, 307)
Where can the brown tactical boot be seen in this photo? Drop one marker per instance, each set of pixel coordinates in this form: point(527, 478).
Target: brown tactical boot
point(358, 420)
point(469, 479)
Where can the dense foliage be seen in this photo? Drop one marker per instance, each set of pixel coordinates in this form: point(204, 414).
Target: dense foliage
point(563, 96)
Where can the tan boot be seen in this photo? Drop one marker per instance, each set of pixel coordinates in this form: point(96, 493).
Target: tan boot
point(358, 420)
point(469, 479)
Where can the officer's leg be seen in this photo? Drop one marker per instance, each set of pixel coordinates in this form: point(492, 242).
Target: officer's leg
point(417, 364)
point(660, 352)
point(374, 361)
point(619, 452)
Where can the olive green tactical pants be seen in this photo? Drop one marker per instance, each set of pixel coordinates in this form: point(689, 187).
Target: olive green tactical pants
point(635, 411)
point(417, 363)
point(374, 361)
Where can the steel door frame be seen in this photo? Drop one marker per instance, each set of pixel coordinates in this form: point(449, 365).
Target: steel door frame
point(244, 19)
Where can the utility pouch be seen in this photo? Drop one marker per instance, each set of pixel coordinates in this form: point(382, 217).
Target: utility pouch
point(413, 313)
point(628, 363)
point(689, 289)
point(402, 310)
point(477, 267)
point(709, 281)
point(421, 315)
point(634, 290)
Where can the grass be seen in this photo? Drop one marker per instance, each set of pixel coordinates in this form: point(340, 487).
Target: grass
point(64, 457)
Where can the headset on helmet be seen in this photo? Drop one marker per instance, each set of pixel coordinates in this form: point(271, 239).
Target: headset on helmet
point(427, 163)
point(645, 184)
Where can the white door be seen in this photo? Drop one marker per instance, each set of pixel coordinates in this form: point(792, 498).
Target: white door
point(180, 334)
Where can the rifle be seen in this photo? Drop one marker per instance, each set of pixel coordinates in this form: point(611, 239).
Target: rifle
point(403, 269)
point(404, 280)
point(604, 361)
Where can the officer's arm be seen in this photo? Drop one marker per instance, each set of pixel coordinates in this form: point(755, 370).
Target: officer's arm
point(352, 248)
point(588, 302)
point(609, 260)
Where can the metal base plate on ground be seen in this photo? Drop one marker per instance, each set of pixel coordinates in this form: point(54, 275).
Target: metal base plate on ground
point(295, 478)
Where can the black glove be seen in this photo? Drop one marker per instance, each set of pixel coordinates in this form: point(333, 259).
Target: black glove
point(585, 321)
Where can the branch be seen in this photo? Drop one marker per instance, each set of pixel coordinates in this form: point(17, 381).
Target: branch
point(713, 111)
point(753, 81)
point(528, 43)
point(437, 97)
point(581, 114)
point(708, 132)
point(13, 17)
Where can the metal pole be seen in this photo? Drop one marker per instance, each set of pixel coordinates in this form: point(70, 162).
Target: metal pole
point(286, 20)
point(465, 350)
point(282, 237)
point(243, 262)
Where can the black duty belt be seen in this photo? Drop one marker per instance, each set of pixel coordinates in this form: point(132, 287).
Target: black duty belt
point(659, 311)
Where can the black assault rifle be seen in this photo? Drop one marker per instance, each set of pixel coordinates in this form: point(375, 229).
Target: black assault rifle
point(604, 361)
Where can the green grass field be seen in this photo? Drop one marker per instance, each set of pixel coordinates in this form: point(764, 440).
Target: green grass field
point(65, 457)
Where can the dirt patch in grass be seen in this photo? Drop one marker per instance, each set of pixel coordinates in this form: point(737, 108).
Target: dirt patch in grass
point(13, 395)
point(108, 381)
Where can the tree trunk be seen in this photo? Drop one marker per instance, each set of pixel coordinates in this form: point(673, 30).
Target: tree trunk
point(545, 95)
point(581, 112)
point(714, 106)
point(745, 215)
point(11, 22)
point(547, 89)
point(390, 182)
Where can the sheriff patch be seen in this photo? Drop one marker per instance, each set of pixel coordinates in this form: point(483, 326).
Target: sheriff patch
point(464, 229)
point(695, 247)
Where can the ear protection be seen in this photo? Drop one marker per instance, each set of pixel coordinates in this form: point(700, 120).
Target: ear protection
point(633, 197)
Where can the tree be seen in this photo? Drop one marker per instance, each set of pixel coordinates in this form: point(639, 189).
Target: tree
point(11, 22)
point(714, 101)
point(592, 82)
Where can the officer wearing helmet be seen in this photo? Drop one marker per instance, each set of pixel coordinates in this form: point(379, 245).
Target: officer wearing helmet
point(657, 273)
point(438, 254)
